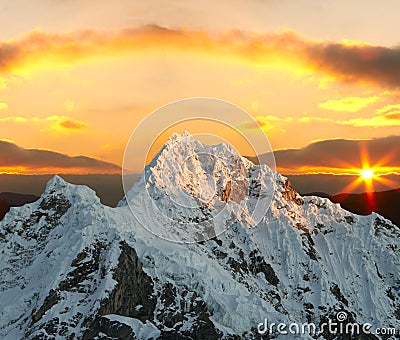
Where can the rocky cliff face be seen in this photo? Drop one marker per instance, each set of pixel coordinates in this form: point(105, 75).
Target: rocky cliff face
point(72, 268)
point(290, 194)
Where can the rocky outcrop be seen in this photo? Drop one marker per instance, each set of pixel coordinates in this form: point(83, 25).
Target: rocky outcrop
point(227, 192)
point(135, 296)
point(180, 308)
point(258, 265)
point(290, 194)
point(134, 288)
point(49, 301)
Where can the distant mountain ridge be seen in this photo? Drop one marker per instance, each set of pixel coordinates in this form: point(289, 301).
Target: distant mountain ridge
point(108, 187)
point(10, 199)
point(385, 203)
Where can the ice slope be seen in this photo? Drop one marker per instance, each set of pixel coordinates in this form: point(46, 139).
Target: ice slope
point(73, 268)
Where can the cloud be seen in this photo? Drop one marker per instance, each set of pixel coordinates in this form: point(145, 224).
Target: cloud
point(15, 159)
point(40, 50)
point(389, 109)
point(56, 123)
point(270, 122)
point(374, 122)
point(3, 106)
point(309, 119)
point(340, 156)
point(263, 122)
point(64, 124)
point(359, 63)
point(15, 119)
point(73, 125)
point(385, 117)
point(348, 104)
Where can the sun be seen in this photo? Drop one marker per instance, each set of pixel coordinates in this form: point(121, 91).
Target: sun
point(367, 174)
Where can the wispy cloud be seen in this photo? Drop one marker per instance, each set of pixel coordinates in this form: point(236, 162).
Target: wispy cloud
point(56, 123)
point(271, 122)
point(348, 104)
point(389, 110)
point(264, 122)
point(385, 117)
point(13, 119)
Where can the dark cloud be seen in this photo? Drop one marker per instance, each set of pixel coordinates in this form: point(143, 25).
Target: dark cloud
point(357, 63)
point(339, 154)
point(44, 161)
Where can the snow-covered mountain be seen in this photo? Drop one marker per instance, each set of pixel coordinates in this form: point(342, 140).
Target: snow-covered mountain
point(72, 268)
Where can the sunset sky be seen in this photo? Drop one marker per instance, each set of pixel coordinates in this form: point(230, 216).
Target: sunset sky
point(320, 77)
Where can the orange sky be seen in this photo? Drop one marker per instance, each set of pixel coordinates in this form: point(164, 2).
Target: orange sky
point(77, 80)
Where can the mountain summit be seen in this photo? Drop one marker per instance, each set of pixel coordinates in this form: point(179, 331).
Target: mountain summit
point(197, 191)
point(72, 268)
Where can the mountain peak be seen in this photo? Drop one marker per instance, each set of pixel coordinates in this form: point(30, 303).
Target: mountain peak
point(72, 192)
point(189, 180)
point(176, 137)
point(186, 164)
point(56, 183)
point(185, 145)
